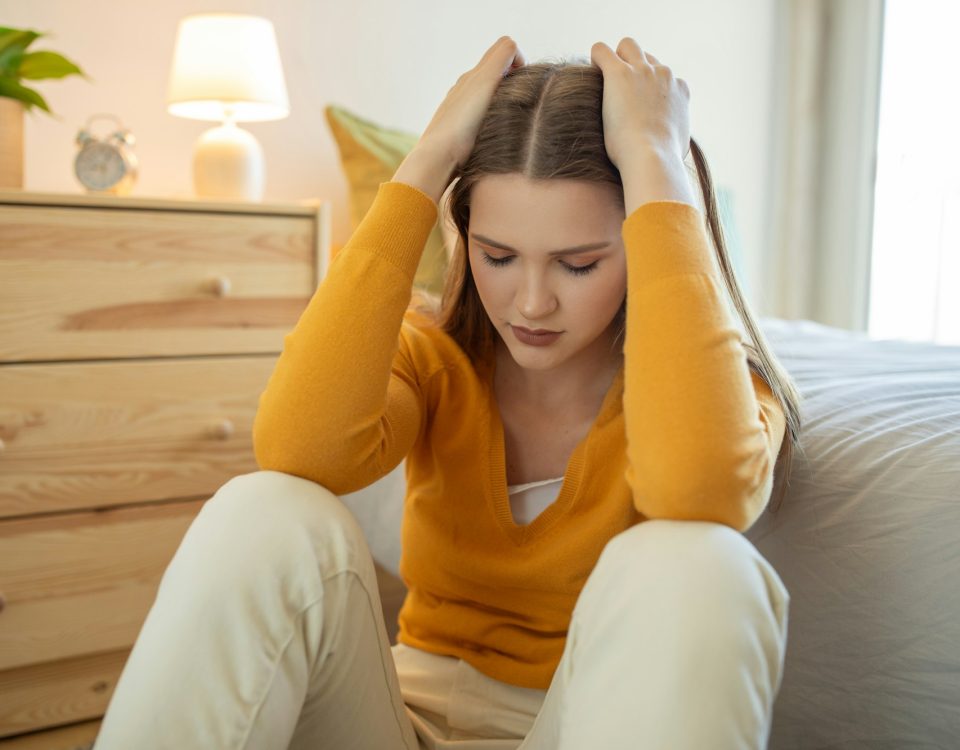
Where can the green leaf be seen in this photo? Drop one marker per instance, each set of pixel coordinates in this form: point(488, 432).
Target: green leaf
point(10, 62)
point(36, 65)
point(4, 30)
point(13, 42)
point(19, 37)
point(13, 90)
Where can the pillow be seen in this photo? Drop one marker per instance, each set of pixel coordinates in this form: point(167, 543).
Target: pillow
point(370, 154)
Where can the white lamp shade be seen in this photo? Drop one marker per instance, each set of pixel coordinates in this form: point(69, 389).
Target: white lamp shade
point(227, 66)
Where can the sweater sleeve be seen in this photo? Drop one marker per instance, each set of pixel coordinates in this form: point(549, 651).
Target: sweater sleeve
point(343, 405)
point(703, 431)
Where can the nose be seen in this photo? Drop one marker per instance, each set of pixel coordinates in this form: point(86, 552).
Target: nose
point(535, 300)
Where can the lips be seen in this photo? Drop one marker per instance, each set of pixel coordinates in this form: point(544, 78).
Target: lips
point(538, 330)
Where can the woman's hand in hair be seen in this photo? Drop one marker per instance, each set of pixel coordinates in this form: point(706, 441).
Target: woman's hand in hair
point(644, 104)
point(450, 136)
point(454, 127)
point(646, 124)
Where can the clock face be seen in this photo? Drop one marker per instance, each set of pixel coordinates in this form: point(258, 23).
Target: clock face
point(99, 166)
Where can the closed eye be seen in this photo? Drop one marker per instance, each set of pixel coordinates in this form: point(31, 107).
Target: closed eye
point(575, 270)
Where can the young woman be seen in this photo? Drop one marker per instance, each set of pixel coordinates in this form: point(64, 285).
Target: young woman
point(587, 436)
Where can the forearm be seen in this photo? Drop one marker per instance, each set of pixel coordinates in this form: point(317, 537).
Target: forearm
point(655, 173)
point(331, 410)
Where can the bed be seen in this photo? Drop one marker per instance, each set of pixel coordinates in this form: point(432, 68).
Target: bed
point(867, 541)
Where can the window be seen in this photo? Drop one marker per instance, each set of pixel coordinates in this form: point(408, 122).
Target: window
point(915, 258)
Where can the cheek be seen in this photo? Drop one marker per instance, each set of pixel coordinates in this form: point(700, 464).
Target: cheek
point(609, 285)
point(605, 296)
point(617, 281)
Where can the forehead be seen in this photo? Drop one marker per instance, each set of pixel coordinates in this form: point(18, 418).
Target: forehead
point(551, 212)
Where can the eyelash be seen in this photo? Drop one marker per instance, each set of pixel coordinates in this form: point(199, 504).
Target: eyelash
point(575, 270)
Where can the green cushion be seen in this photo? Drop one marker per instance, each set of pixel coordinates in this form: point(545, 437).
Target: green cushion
point(370, 154)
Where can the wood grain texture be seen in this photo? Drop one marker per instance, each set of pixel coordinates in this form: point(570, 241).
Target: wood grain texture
point(98, 434)
point(82, 583)
point(11, 143)
point(59, 694)
point(136, 336)
point(73, 737)
point(102, 283)
point(180, 204)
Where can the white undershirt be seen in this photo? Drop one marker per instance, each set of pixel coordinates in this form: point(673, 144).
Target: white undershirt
point(527, 501)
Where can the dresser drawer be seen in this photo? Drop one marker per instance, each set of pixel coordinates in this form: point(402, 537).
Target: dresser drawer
point(85, 282)
point(82, 583)
point(136, 336)
point(87, 435)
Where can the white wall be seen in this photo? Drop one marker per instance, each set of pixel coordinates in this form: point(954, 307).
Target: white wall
point(388, 62)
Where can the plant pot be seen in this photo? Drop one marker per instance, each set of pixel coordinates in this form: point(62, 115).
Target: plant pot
point(11, 143)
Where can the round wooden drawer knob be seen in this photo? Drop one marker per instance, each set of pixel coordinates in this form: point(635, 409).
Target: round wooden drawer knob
point(219, 285)
point(223, 429)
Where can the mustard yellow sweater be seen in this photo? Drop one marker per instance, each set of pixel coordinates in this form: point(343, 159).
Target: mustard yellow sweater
point(686, 431)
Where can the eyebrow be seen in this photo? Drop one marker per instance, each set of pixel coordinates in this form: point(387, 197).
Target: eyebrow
point(554, 253)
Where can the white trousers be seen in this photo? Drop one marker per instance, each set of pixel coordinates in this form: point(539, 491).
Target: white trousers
point(267, 632)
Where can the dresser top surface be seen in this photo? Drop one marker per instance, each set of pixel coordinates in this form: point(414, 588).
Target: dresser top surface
point(306, 207)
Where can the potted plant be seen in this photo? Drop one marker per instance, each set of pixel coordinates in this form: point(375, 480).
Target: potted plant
point(16, 65)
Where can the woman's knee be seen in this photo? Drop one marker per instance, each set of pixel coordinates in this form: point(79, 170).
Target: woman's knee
point(699, 542)
point(263, 517)
point(710, 562)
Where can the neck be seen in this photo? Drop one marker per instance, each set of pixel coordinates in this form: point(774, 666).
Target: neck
point(583, 381)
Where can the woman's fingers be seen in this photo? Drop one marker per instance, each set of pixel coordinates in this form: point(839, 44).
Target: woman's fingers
point(630, 51)
point(503, 55)
point(650, 58)
point(640, 95)
point(492, 49)
point(602, 56)
point(627, 51)
point(517, 60)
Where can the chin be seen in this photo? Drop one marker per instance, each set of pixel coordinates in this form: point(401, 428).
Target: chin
point(536, 363)
point(536, 358)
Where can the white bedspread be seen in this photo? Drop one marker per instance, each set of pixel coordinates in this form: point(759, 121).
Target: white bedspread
point(868, 544)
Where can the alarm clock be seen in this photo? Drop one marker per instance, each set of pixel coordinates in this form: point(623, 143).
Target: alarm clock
point(106, 165)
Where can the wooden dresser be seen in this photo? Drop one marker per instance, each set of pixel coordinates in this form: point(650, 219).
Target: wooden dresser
point(136, 336)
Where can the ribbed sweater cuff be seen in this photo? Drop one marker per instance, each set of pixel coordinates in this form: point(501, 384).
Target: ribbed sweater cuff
point(397, 225)
point(672, 239)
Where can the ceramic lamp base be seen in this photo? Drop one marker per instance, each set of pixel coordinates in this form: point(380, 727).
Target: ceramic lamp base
point(228, 163)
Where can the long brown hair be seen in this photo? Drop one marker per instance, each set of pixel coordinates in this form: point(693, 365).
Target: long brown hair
point(544, 122)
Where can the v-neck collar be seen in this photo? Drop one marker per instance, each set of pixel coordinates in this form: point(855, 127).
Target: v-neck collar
point(572, 476)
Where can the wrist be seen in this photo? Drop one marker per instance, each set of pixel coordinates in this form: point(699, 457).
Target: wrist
point(426, 169)
point(649, 146)
point(654, 171)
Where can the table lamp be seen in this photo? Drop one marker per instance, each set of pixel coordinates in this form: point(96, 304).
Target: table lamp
point(226, 68)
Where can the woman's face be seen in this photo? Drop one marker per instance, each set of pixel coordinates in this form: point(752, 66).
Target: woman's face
point(516, 223)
